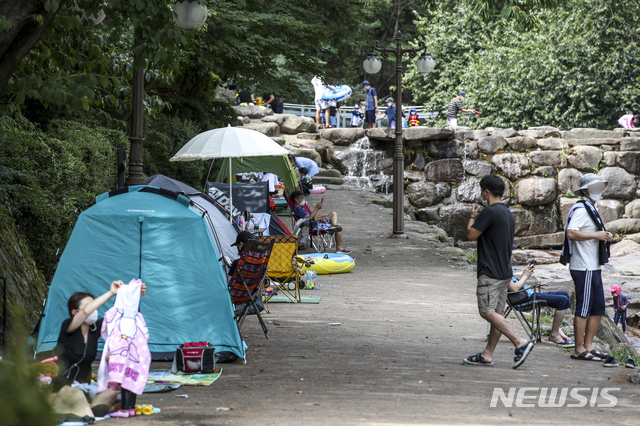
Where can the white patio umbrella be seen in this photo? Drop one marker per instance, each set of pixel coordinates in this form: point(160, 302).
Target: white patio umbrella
point(228, 142)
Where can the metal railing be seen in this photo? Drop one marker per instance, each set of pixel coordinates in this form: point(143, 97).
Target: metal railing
point(345, 120)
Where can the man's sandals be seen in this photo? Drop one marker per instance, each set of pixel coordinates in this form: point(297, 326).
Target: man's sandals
point(591, 356)
point(521, 354)
point(477, 359)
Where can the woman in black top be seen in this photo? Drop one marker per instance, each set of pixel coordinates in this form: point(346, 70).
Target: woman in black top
point(78, 343)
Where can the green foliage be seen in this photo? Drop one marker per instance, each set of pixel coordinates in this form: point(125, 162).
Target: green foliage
point(472, 256)
point(577, 67)
point(53, 173)
point(164, 137)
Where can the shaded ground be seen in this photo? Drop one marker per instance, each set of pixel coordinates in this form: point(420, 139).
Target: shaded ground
point(408, 318)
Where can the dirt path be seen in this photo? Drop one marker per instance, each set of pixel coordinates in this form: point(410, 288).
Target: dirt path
point(408, 318)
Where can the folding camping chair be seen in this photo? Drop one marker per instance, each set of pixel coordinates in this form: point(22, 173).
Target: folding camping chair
point(324, 239)
point(246, 284)
point(283, 266)
point(519, 305)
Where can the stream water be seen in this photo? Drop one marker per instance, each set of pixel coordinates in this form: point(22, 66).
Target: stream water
point(364, 164)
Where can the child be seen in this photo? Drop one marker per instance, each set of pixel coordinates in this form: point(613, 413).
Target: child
point(305, 181)
point(413, 118)
point(356, 116)
point(620, 303)
point(333, 108)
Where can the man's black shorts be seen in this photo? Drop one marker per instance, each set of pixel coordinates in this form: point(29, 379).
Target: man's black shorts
point(370, 116)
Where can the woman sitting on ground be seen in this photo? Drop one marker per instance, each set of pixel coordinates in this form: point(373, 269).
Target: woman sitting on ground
point(78, 346)
point(559, 300)
point(327, 223)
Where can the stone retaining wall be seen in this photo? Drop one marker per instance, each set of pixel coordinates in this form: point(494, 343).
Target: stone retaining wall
point(541, 167)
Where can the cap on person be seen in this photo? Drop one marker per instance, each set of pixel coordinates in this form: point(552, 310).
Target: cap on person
point(390, 99)
point(616, 289)
point(588, 180)
point(461, 93)
point(243, 237)
point(366, 83)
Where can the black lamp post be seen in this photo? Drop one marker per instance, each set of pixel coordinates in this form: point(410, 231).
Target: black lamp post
point(372, 65)
point(189, 15)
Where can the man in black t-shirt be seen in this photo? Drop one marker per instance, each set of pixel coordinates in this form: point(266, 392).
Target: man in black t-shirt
point(494, 228)
point(245, 97)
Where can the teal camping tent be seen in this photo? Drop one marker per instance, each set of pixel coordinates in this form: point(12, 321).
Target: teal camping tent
point(156, 235)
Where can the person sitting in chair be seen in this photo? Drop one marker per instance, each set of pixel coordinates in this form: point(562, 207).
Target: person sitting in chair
point(327, 223)
point(559, 300)
point(241, 241)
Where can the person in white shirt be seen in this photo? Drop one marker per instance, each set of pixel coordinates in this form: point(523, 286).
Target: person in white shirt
point(586, 248)
point(321, 104)
point(272, 179)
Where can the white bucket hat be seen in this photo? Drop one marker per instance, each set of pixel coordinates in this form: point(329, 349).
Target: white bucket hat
point(588, 180)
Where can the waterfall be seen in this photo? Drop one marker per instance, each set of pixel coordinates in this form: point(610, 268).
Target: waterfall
point(363, 164)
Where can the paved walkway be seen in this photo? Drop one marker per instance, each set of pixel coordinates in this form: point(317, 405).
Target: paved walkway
point(408, 318)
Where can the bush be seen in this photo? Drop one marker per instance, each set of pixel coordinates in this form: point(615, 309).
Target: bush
point(45, 176)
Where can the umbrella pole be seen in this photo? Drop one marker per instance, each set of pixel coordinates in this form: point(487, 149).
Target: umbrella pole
point(230, 193)
point(206, 181)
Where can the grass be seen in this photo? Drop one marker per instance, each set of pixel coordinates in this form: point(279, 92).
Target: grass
point(472, 256)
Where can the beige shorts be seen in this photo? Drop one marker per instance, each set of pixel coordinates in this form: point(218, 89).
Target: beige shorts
point(491, 294)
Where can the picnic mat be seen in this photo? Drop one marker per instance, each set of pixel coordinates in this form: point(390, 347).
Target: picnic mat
point(280, 298)
point(184, 379)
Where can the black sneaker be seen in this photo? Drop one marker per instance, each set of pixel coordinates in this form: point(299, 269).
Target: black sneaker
point(630, 363)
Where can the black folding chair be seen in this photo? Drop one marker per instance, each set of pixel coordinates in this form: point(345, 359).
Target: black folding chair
point(520, 304)
point(246, 284)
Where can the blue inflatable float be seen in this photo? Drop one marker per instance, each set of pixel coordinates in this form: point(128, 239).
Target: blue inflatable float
point(341, 93)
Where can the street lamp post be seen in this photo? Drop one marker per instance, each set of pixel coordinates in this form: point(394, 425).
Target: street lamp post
point(189, 15)
point(372, 65)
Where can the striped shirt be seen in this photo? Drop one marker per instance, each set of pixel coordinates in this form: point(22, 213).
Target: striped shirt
point(454, 106)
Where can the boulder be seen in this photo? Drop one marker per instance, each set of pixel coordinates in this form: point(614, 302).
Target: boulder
point(428, 214)
point(279, 140)
point(423, 194)
point(545, 220)
point(546, 241)
point(418, 163)
point(226, 95)
point(472, 149)
point(308, 136)
point(568, 179)
point(531, 133)
point(327, 180)
point(506, 195)
point(630, 144)
point(475, 134)
point(512, 166)
point(275, 118)
point(492, 144)
point(565, 206)
point(329, 173)
point(469, 191)
point(588, 133)
point(593, 142)
point(477, 168)
point(252, 111)
point(544, 171)
point(610, 159)
point(552, 144)
point(423, 228)
point(454, 219)
point(411, 177)
point(343, 136)
point(629, 160)
point(449, 148)
point(423, 133)
point(444, 189)
point(610, 333)
point(546, 158)
point(585, 158)
point(241, 121)
point(307, 153)
point(381, 133)
point(623, 226)
point(447, 170)
point(269, 129)
point(523, 219)
point(622, 185)
point(632, 210)
point(610, 210)
point(549, 131)
point(293, 124)
point(504, 133)
point(521, 143)
point(536, 191)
